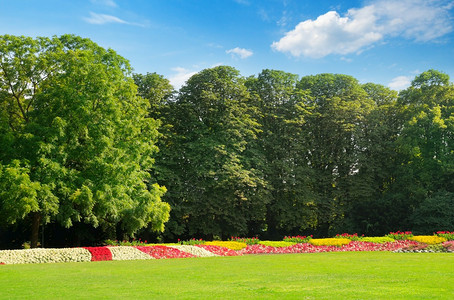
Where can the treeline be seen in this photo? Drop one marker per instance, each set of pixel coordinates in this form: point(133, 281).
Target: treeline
point(275, 154)
point(91, 151)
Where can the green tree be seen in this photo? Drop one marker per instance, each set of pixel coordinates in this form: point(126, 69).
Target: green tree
point(425, 142)
point(370, 209)
point(212, 189)
point(156, 89)
point(340, 106)
point(280, 146)
point(75, 137)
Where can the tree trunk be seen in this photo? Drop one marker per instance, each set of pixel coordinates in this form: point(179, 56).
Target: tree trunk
point(36, 219)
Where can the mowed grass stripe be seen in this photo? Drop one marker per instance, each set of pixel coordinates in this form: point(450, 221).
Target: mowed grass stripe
point(348, 275)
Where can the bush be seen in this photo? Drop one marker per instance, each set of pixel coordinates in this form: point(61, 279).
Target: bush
point(351, 237)
point(446, 234)
point(297, 239)
point(248, 241)
point(400, 235)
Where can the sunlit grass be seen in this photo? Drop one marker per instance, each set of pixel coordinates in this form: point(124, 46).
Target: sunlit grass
point(351, 275)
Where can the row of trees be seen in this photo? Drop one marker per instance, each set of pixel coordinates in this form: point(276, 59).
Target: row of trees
point(274, 155)
point(269, 155)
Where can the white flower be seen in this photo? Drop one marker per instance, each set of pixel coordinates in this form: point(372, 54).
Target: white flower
point(194, 250)
point(128, 253)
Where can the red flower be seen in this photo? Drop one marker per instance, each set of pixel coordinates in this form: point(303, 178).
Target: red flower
point(99, 253)
point(163, 252)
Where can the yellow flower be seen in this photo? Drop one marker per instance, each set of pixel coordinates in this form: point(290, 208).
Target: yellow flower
point(329, 242)
point(228, 244)
point(428, 239)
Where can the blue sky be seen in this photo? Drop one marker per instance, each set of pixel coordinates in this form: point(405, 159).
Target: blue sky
point(381, 41)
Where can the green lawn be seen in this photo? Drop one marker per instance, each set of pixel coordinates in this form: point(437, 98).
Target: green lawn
point(351, 275)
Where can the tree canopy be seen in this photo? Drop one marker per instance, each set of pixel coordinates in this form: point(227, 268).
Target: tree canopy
point(76, 140)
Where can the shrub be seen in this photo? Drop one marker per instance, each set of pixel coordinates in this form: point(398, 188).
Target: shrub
point(191, 242)
point(277, 244)
point(329, 242)
point(248, 241)
point(428, 239)
point(229, 244)
point(377, 239)
point(400, 235)
point(446, 234)
point(352, 237)
point(297, 239)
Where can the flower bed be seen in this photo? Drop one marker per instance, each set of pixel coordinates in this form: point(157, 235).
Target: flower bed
point(38, 255)
point(160, 252)
point(218, 250)
point(406, 242)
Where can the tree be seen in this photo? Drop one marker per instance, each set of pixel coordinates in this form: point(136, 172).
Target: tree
point(156, 89)
point(212, 189)
point(76, 136)
point(425, 143)
point(340, 106)
point(280, 145)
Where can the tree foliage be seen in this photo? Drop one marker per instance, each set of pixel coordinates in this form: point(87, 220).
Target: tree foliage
point(75, 137)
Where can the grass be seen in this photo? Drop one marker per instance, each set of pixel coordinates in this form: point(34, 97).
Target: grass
point(348, 275)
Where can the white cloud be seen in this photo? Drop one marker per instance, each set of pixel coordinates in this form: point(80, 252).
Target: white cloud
point(181, 76)
point(400, 83)
point(100, 19)
point(240, 52)
point(360, 28)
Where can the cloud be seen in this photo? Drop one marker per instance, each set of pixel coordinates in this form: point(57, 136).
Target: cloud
point(400, 83)
point(361, 28)
point(240, 52)
point(181, 76)
point(100, 19)
point(110, 3)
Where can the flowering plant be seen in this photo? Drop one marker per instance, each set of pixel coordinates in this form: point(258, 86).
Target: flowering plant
point(163, 252)
point(99, 253)
point(377, 239)
point(428, 239)
point(446, 234)
point(277, 244)
point(400, 235)
point(297, 239)
point(248, 241)
point(192, 241)
point(228, 244)
point(218, 250)
point(330, 242)
point(352, 237)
